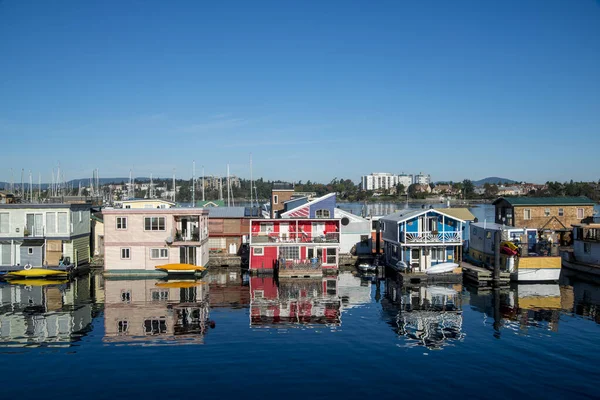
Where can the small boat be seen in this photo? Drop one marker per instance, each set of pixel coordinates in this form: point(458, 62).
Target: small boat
point(179, 284)
point(510, 245)
point(441, 268)
point(367, 267)
point(37, 282)
point(508, 251)
point(181, 268)
point(36, 273)
point(401, 266)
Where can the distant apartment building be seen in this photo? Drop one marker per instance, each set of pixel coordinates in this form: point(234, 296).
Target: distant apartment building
point(379, 181)
point(422, 179)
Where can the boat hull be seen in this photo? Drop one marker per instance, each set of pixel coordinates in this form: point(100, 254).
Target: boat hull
point(536, 275)
point(181, 268)
point(36, 273)
point(441, 268)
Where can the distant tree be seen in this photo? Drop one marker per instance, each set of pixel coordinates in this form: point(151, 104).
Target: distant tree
point(490, 191)
point(468, 189)
point(400, 188)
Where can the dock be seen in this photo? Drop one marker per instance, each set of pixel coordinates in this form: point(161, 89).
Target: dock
point(455, 276)
point(482, 277)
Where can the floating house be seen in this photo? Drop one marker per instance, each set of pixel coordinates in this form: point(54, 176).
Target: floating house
point(422, 238)
point(146, 203)
point(44, 234)
point(551, 216)
point(138, 240)
point(585, 255)
point(229, 227)
point(522, 253)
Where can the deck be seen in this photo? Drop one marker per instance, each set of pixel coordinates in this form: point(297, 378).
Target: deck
point(482, 276)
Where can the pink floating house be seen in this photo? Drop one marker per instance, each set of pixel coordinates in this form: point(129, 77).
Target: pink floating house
point(138, 240)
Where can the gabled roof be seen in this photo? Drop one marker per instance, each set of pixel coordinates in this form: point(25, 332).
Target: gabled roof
point(287, 213)
point(405, 215)
point(459, 213)
point(547, 201)
point(210, 203)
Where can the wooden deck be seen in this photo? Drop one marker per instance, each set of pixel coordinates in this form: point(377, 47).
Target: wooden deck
point(482, 276)
point(300, 273)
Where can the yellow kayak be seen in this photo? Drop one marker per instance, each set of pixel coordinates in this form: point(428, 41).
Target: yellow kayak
point(35, 273)
point(37, 282)
point(178, 285)
point(180, 268)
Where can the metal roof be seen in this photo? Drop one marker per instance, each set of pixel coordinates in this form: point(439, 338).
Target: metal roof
point(230, 212)
point(547, 201)
point(460, 213)
point(405, 215)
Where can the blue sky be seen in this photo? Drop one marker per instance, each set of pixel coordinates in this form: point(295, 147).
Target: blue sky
point(313, 89)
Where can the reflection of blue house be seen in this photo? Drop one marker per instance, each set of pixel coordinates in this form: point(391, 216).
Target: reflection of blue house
point(422, 238)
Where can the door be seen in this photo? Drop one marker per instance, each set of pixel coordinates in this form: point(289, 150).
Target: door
point(5, 249)
point(415, 259)
point(425, 259)
point(284, 230)
point(187, 255)
point(318, 229)
point(531, 240)
point(100, 244)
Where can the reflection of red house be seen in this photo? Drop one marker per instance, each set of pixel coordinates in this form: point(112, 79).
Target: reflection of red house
point(294, 243)
point(294, 301)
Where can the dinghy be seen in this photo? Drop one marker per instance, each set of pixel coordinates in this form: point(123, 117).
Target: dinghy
point(36, 273)
point(181, 268)
point(441, 268)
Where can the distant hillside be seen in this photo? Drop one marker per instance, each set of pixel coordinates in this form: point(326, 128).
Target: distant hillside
point(493, 180)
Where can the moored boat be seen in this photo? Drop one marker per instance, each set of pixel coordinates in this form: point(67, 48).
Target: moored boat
point(441, 268)
point(181, 268)
point(367, 267)
point(36, 273)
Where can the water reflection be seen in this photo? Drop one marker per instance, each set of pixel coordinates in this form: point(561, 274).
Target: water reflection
point(429, 316)
point(156, 312)
point(45, 313)
point(523, 306)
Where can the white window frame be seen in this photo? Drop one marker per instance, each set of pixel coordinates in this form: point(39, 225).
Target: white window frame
point(162, 253)
point(163, 294)
point(527, 214)
point(561, 212)
point(259, 294)
point(261, 251)
point(123, 226)
point(30, 250)
point(266, 227)
point(7, 216)
point(547, 212)
point(124, 250)
point(580, 211)
point(126, 296)
point(157, 224)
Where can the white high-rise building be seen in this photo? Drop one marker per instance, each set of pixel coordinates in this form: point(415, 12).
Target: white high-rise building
point(422, 179)
point(384, 180)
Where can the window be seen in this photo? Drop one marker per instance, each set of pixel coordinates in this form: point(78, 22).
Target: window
point(155, 326)
point(259, 294)
point(488, 235)
point(580, 213)
point(289, 252)
point(4, 223)
point(364, 240)
point(159, 254)
point(258, 251)
point(561, 212)
point(331, 255)
point(154, 224)
point(438, 254)
point(122, 326)
point(527, 214)
point(121, 223)
point(127, 206)
point(331, 287)
point(50, 222)
point(275, 199)
point(266, 227)
point(546, 212)
point(322, 214)
point(126, 296)
point(587, 248)
point(30, 250)
point(159, 294)
point(80, 216)
point(125, 253)
point(62, 222)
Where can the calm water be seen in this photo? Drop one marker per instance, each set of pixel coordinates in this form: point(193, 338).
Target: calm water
point(349, 336)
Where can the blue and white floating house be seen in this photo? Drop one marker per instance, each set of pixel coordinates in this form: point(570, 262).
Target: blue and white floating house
point(422, 238)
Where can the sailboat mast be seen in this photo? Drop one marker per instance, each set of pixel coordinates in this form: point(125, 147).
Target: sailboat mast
point(174, 187)
point(203, 183)
point(251, 202)
point(193, 183)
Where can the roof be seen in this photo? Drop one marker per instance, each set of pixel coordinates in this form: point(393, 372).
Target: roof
point(211, 203)
point(33, 242)
point(147, 200)
point(459, 213)
point(226, 212)
point(547, 201)
point(493, 226)
point(288, 212)
point(97, 217)
point(405, 215)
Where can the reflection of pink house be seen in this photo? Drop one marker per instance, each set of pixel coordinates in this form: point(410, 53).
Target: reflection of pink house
point(294, 301)
point(294, 243)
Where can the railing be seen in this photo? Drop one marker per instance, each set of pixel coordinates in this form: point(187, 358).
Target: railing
point(433, 237)
point(306, 264)
point(190, 236)
point(294, 237)
point(34, 232)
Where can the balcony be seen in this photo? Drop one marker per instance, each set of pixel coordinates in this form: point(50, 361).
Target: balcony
point(431, 237)
point(294, 237)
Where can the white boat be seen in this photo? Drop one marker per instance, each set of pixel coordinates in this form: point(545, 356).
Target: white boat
point(367, 267)
point(401, 266)
point(441, 268)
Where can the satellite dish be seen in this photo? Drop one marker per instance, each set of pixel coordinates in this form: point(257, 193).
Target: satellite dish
point(345, 221)
point(169, 240)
